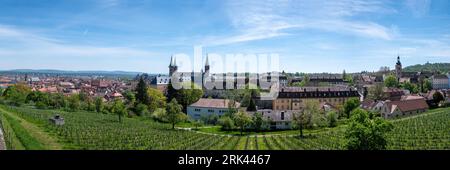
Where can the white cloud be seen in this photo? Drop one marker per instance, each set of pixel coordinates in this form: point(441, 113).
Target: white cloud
point(31, 44)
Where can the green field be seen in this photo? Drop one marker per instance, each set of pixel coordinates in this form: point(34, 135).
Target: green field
point(28, 128)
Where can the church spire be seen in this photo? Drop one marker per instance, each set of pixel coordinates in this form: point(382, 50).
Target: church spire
point(171, 61)
point(207, 62)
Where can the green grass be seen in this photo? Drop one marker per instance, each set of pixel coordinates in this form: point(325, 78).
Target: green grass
point(28, 141)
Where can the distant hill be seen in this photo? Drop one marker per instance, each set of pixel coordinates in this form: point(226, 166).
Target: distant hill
point(431, 67)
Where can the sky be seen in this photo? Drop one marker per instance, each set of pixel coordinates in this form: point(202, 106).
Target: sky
point(142, 35)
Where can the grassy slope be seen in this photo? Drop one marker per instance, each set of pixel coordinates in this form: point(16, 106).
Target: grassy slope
point(30, 136)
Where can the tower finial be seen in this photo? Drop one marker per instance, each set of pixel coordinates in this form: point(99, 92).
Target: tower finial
point(207, 62)
point(175, 61)
point(171, 61)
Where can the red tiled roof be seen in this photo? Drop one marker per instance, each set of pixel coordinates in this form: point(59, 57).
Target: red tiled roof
point(213, 103)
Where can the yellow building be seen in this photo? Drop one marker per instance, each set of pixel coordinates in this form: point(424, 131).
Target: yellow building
point(294, 98)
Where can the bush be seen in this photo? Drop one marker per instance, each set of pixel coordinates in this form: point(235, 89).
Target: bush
point(210, 119)
point(226, 122)
point(40, 105)
point(159, 115)
point(332, 119)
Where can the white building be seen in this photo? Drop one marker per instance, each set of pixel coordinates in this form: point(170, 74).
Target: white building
point(277, 119)
point(207, 107)
point(440, 82)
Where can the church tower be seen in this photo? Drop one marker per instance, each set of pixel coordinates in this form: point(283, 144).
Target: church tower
point(207, 66)
point(172, 66)
point(398, 68)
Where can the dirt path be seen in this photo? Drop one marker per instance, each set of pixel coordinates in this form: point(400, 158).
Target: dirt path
point(38, 133)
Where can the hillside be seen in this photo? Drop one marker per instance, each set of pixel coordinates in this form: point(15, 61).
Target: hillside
point(430, 67)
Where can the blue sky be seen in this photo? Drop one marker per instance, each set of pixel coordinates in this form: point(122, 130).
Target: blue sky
point(137, 35)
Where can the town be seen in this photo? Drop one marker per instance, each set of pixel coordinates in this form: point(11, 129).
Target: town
point(388, 93)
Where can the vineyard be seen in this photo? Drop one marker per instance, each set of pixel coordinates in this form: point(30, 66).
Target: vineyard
point(94, 131)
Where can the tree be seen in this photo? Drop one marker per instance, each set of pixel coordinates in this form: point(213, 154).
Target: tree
point(156, 99)
point(159, 115)
point(226, 122)
point(17, 94)
point(258, 121)
point(438, 97)
point(99, 106)
point(391, 81)
point(141, 91)
point(365, 132)
point(242, 119)
point(58, 101)
point(411, 87)
point(197, 123)
point(119, 109)
point(74, 103)
point(141, 109)
point(301, 120)
point(350, 105)
point(174, 113)
point(426, 86)
point(130, 97)
point(190, 93)
point(377, 92)
point(332, 119)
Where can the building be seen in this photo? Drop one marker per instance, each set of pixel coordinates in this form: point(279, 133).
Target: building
point(161, 83)
point(393, 94)
point(395, 109)
point(205, 107)
point(439, 81)
point(294, 98)
point(276, 119)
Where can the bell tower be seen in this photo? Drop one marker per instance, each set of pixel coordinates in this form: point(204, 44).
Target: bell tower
point(172, 66)
point(398, 68)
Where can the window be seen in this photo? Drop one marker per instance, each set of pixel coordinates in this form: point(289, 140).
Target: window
point(282, 115)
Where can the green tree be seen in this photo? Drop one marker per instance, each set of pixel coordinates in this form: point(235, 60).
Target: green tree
point(17, 94)
point(197, 123)
point(426, 86)
point(99, 106)
point(130, 97)
point(174, 113)
point(350, 105)
point(226, 122)
point(190, 93)
point(242, 119)
point(251, 107)
point(301, 120)
point(119, 109)
point(141, 109)
point(141, 91)
point(391, 81)
point(258, 121)
point(332, 119)
point(411, 87)
point(376, 92)
point(365, 132)
point(74, 103)
point(159, 114)
point(438, 97)
point(156, 99)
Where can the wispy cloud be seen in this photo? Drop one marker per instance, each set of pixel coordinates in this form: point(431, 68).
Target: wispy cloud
point(32, 44)
point(256, 20)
